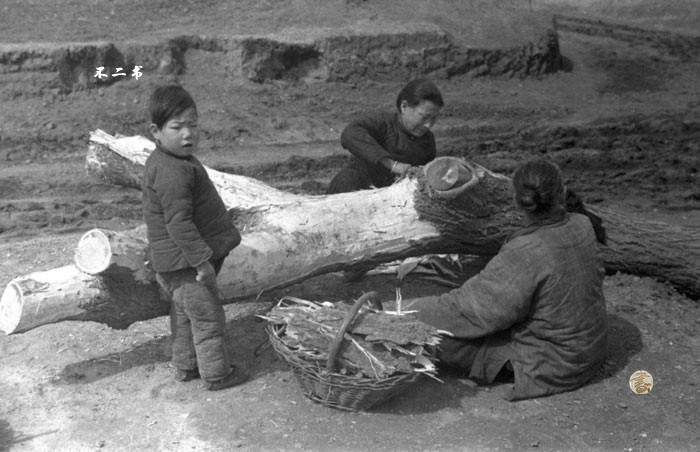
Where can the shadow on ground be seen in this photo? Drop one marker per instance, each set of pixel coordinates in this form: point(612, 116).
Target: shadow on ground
point(624, 341)
point(245, 334)
point(9, 438)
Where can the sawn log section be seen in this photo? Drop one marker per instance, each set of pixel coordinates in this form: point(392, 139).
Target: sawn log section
point(450, 206)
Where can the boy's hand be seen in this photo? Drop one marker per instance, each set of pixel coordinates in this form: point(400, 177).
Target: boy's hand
point(206, 274)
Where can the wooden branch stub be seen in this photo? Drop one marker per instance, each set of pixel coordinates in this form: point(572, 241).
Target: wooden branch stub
point(100, 250)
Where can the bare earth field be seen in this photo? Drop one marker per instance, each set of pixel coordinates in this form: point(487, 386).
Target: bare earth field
point(621, 118)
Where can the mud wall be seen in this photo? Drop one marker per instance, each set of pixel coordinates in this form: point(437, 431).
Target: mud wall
point(315, 55)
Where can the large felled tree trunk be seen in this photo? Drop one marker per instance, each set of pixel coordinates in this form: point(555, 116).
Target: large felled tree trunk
point(635, 245)
point(450, 206)
point(286, 238)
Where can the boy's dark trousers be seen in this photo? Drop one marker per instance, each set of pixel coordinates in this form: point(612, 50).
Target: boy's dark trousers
point(197, 322)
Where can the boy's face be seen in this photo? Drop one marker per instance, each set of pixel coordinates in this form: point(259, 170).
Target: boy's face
point(179, 134)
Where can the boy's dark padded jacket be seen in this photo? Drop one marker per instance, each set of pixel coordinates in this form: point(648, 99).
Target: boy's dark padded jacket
point(187, 221)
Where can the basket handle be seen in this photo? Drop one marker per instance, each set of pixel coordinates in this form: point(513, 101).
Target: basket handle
point(335, 347)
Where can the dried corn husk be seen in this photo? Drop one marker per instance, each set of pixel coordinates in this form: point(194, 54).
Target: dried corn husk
point(377, 344)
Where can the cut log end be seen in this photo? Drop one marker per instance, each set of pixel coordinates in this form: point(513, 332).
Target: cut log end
point(449, 176)
point(93, 254)
point(10, 308)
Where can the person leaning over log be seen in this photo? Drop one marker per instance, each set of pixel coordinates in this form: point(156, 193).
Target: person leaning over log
point(189, 234)
point(386, 144)
point(536, 313)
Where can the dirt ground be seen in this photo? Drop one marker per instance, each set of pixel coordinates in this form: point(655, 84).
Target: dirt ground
point(621, 119)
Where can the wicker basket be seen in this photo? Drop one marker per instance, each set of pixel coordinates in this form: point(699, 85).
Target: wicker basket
point(321, 384)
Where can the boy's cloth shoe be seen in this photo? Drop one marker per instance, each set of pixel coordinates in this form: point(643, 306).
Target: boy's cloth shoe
point(186, 374)
point(236, 377)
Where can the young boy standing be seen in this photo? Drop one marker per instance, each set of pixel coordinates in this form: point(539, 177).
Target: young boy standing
point(190, 234)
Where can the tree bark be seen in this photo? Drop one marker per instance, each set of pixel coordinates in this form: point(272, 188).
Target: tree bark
point(655, 249)
point(450, 206)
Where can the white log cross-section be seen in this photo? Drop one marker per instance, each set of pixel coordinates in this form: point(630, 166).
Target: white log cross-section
point(449, 206)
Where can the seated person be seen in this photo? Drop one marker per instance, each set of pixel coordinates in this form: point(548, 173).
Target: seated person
point(536, 313)
point(386, 144)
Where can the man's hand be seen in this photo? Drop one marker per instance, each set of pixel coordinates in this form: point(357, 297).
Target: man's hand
point(397, 168)
point(400, 169)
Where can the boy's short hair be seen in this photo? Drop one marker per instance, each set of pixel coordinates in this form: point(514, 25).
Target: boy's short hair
point(168, 101)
